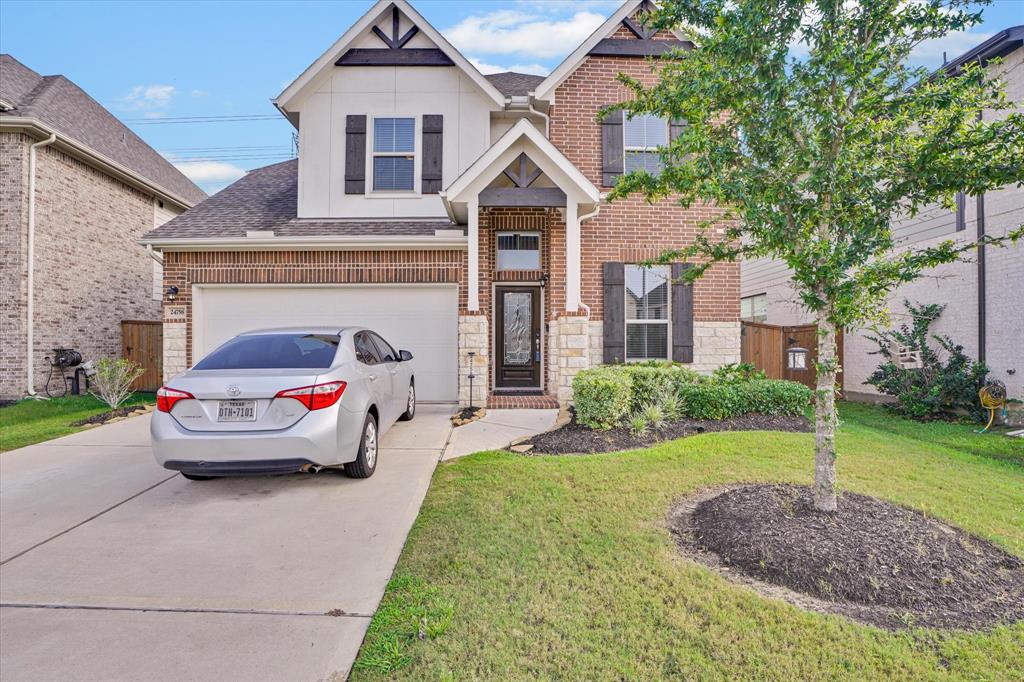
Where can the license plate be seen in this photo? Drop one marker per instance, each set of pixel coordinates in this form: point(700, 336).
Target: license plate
point(236, 411)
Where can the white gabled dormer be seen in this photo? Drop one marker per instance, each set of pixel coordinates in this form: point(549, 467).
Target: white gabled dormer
point(387, 117)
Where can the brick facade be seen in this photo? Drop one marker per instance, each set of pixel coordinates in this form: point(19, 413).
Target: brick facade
point(629, 230)
point(89, 273)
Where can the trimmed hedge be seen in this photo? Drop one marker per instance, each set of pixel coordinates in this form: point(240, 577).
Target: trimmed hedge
point(607, 396)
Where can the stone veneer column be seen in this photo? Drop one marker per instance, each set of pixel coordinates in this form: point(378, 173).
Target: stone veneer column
point(715, 344)
point(175, 360)
point(569, 352)
point(473, 338)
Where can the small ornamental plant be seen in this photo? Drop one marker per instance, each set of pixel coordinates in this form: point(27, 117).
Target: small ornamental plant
point(113, 380)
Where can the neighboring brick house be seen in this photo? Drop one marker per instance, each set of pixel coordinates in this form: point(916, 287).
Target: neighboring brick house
point(460, 215)
point(987, 320)
point(97, 189)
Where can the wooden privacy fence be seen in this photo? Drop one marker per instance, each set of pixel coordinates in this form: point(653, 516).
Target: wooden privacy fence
point(142, 341)
point(765, 345)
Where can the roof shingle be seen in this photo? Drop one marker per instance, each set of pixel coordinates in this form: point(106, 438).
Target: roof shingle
point(267, 199)
point(512, 84)
point(59, 103)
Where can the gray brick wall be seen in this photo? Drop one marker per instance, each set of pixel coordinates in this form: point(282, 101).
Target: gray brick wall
point(89, 272)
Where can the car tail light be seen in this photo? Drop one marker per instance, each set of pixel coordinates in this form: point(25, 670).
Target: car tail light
point(316, 397)
point(167, 398)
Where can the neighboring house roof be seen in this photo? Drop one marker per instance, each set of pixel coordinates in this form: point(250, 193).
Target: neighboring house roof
point(368, 20)
point(512, 84)
point(63, 106)
point(266, 199)
point(999, 45)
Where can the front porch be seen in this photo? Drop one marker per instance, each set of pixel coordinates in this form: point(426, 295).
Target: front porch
point(523, 333)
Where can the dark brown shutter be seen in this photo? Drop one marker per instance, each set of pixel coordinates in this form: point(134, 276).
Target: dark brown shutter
point(612, 161)
point(614, 312)
point(433, 146)
point(675, 128)
point(682, 315)
point(355, 154)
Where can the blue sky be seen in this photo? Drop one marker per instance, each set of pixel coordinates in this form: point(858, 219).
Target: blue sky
point(152, 61)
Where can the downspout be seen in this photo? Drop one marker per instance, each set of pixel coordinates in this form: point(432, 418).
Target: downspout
point(587, 216)
point(981, 278)
point(547, 119)
point(981, 270)
point(30, 283)
point(158, 257)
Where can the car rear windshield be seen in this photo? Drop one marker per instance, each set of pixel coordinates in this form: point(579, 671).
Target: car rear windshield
point(273, 351)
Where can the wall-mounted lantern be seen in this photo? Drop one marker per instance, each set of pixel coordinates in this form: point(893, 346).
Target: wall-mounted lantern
point(544, 280)
point(172, 293)
point(797, 357)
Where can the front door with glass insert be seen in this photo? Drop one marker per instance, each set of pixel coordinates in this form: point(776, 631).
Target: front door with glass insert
point(517, 337)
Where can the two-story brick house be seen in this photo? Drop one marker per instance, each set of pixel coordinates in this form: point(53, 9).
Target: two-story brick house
point(77, 190)
point(460, 215)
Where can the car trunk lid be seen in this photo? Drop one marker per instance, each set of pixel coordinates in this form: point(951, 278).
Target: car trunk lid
point(240, 400)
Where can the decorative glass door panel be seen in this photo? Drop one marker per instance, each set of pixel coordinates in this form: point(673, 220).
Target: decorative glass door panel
point(517, 337)
point(517, 327)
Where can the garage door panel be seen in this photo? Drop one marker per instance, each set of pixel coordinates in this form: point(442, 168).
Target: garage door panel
point(422, 320)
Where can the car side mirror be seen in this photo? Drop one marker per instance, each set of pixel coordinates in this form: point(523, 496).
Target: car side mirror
point(404, 356)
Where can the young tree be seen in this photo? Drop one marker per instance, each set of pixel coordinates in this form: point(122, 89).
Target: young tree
point(807, 125)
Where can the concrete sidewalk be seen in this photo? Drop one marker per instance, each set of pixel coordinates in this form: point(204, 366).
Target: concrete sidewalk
point(497, 429)
point(111, 568)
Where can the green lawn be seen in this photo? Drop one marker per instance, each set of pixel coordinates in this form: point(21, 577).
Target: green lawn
point(562, 567)
point(33, 421)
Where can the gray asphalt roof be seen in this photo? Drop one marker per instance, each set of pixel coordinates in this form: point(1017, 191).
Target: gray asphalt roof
point(266, 199)
point(61, 104)
point(510, 83)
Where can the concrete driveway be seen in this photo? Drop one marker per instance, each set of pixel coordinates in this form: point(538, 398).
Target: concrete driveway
point(111, 568)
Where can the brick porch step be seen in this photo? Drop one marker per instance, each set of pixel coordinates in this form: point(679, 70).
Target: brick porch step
point(498, 401)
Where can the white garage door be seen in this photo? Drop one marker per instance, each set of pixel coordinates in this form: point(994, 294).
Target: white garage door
point(421, 319)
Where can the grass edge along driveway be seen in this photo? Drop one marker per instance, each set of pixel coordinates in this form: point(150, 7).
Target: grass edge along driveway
point(562, 567)
point(29, 421)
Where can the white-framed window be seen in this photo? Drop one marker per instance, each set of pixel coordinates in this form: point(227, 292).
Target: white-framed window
point(394, 154)
point(754, 308)
point(642, 135)
point(648, 313)
point(518, 251)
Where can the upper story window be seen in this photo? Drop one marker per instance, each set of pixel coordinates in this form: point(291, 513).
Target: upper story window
point(643, 134)
point(518, 251)
point(394, 154)
point(647, 312)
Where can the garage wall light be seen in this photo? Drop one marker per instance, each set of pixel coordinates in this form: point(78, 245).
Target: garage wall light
point(172, 293)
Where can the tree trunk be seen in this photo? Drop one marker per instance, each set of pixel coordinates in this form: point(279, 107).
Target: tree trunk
point(825, 417)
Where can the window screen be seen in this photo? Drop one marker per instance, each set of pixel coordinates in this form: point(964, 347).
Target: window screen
point(518, 251)
point(647, 312)
point(394, 144)
point(643, 135)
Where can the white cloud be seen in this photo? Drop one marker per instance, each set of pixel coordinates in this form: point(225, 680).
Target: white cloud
point(528, 33)
point(485, 68)
point(608, 6)
point(148, 97)
point(209, 171)
point(953, 44)
point(199, 93)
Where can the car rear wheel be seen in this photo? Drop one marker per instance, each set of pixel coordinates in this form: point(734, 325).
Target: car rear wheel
point(197, 477)
point(410, 404)
point(366, 459)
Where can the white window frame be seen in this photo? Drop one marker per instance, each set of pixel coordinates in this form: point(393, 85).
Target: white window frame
point(753, 316)
point(627, 149)
point(667, 269)
point(372, 154)
point(521, 233)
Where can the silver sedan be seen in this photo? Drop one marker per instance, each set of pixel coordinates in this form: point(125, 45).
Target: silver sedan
point(284, 400)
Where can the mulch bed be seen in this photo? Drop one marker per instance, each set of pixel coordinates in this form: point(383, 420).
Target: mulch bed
point(873, 561)
point(104, 417)
point(574, 438)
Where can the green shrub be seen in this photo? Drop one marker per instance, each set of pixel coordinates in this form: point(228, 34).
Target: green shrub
point(744, 371)
point(601, 396)
point(609, 396)
point(939, 387)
